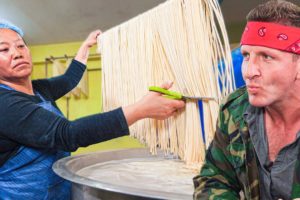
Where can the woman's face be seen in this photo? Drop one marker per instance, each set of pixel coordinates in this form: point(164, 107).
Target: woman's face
point(15, 58)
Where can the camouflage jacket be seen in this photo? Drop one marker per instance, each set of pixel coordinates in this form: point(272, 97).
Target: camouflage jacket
point(231, 165)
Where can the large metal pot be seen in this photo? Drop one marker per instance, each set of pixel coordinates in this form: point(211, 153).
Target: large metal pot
point(90, 189)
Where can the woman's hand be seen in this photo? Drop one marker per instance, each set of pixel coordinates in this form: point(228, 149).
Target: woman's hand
point(84, 50)
point(91, 40)
point(153, 105)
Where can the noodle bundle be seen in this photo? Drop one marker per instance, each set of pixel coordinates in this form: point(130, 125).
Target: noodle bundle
point(179, 40)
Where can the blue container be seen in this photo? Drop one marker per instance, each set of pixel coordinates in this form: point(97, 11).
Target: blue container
point(237, 60)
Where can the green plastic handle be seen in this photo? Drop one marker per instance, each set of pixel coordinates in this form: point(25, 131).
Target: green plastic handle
point(167, 93)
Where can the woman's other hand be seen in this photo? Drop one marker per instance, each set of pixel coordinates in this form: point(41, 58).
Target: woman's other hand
point(84, 50)
point(91, 40)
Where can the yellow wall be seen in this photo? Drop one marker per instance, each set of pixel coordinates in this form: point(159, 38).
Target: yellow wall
point(83, 106)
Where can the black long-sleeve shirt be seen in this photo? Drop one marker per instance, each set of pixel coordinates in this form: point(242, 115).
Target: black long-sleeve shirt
point(24, 123)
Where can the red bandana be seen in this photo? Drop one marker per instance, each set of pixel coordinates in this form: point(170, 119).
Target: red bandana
point(272, 35)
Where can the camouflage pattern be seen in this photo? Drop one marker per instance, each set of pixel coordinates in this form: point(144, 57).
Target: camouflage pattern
point(296, 181)
point(231, 165)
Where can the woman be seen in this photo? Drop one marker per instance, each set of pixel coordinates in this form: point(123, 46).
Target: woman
point(33, 132)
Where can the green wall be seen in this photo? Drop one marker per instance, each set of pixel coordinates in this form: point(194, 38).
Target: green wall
point(76, 108)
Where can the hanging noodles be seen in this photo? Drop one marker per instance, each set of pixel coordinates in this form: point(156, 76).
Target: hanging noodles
point(180, 40)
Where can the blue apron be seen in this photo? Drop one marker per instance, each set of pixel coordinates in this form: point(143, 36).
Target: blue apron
point(29, 174)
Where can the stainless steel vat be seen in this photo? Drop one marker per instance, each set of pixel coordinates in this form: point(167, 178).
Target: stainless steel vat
point(84, 188)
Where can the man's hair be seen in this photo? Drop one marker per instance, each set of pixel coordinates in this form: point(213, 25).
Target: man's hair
point(278, 11)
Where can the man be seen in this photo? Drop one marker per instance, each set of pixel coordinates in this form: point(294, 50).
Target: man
point(255, 152)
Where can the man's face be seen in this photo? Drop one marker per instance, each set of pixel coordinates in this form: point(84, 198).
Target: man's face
point(15, 58)
point(270, 75)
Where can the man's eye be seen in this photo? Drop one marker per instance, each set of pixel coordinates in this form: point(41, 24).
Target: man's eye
point(245, 56)
point(267, 57)
point(21, 46)
point(4, 50)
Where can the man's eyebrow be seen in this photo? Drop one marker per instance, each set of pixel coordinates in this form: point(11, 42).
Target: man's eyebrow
point(264, 52)
point(244, 51)
point(3, 43)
